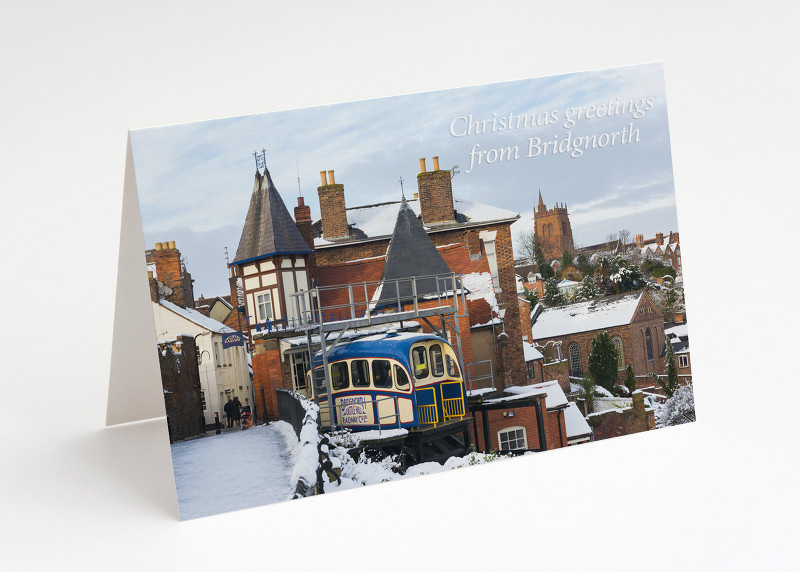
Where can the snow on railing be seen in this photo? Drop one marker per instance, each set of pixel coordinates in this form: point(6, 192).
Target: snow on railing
point(311, 458)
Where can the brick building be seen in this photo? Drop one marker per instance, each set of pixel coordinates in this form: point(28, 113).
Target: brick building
point(223, 368)
point(167, 274)
point(678, 335)
point(668, 249)
point(533, 418)
point(552, 229)
point(632, 320)
point(278, 257)
point(351, 245)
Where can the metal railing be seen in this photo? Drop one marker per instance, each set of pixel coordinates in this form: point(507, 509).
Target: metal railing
point(322, 304)
point(473, 377)
point(453, 407)
point(427, 412)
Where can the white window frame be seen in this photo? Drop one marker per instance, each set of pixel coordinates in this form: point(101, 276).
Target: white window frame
point(507, 430)
point(683, 360)
point(489, 238)
point(261, 317)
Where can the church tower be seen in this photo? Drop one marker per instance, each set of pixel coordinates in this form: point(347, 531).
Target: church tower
point(552, 228)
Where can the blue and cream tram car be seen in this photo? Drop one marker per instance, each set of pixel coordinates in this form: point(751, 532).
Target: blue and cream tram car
point(393, 380)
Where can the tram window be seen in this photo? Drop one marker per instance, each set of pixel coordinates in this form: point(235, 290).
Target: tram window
point(319, 379)
point(437, 360)
point(359, 372)
point(452, 366)
point(382, 373)
point(420, 361)
point(339, 377)
point(401, 379)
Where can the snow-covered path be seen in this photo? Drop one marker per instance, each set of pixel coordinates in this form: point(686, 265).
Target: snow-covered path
point(231, 471)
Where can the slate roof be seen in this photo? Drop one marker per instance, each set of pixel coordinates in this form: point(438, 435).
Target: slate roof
point(411, 253)
point(597, 314)
point(369, 221)
point(268, 229)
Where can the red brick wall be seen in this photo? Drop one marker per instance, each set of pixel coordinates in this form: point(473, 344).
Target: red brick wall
point(558, 370)
point(334, 268)
point(616, 423)
point(508, 300)
point(333, 211)
point(554, 426)
point(553, 231)
point(525, 319)
point(633, 346)
point(435, 197)
point(267, 376)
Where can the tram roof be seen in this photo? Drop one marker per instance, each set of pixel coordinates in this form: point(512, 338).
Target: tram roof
point(394, 346)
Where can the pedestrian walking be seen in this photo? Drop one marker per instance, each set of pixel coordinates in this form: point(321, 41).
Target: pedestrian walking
point(229, 412)
point(236, 407)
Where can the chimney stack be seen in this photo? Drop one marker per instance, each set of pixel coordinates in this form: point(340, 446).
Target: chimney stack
point(302, 218)
point(660, 239)
point(639, 241)
point(435, 194)
point(170, 272)
point(333, 211)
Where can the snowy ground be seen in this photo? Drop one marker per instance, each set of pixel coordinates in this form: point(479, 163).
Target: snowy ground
point(234, 470)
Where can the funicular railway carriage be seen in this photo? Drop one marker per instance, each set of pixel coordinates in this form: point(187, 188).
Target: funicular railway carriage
point(390, 381)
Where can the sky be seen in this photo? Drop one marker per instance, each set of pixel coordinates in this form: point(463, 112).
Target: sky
point(612, 165)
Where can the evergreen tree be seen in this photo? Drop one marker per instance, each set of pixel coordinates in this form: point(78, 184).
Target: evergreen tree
point(625, 276)
point(544, 268)
point(552, 295)
point(566, 259)
point(670, 385)
point(603, 361)
point(587, 290)
point(630, 379)
point(583, 264)
point(532, 296)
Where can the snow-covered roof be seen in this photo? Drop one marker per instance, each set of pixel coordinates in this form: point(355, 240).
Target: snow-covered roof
point(680, 331)
point(555, 395)
point(596, 314)
point(196, 317)
point(575, 422)
point(531, 353)
point(480, 286)
point(376, 220)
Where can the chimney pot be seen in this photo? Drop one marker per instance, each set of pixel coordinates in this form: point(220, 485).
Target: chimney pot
point(436, 163)
point(300, 202)
point(172, 244)
point(323, 179)
point(149, 274)
point(158, 246)
point(416, 195)
point(331, 180)
point(422, 168)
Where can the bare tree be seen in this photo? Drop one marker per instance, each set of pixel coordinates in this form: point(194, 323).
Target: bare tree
point(624, 237)
point(526, 239)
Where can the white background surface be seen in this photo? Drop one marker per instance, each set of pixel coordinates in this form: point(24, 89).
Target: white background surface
point(721, 493)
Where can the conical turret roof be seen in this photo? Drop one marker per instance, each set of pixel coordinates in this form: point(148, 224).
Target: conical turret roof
point(269, 229)
point(412, 253)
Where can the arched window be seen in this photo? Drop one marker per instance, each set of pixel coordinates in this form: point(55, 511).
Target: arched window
point(575, 361)
point(620, 357)
point(648, 344)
